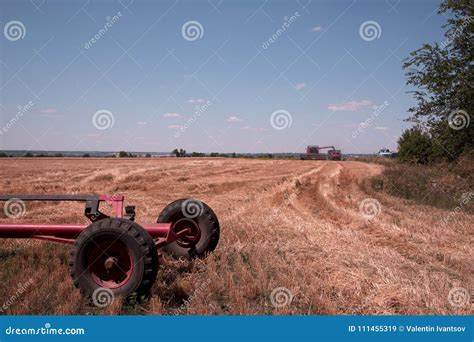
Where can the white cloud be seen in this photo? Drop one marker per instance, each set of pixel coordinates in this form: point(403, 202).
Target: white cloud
point(174, 126)
point(381, 128)
point(350, 106)
point(197, 101)
point(50, 113)
point(49, 110)
point(253, 129)
point(233, 119)
point(299, 86)
point(171, 115)
point(316, 29)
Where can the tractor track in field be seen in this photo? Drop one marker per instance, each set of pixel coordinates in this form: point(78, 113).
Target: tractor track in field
point(284, 224)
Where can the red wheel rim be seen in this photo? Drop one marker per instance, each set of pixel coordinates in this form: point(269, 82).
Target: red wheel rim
point(187, 231)
point(110, 264)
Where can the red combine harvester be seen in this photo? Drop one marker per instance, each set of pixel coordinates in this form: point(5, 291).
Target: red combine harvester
point(117, 253)
point(313, 153)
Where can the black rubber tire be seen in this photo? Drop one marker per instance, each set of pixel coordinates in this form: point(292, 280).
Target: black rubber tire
point(139, 244)
point(208, 225)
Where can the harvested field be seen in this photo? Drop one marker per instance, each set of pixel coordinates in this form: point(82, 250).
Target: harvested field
point(284, 224)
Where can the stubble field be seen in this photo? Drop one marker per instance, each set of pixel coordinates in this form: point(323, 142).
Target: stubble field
point(294, 239)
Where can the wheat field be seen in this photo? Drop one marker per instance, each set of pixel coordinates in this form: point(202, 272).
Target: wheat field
point(294, 240)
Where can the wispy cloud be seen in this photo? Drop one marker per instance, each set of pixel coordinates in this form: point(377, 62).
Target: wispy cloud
point(253, 129)
point(316, 29)
point(171, 115)
point(233, 119)
point(381, 128)
point(350, 106)
point(174, 126)
point(299, 86)
point(49, 111)
point(197, 101)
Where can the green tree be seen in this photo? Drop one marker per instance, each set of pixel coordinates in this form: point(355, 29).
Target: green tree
point(415, 146)
point(443, 75)
point(179, 152)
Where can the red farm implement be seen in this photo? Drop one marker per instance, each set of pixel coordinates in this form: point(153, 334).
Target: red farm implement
point(116, 252)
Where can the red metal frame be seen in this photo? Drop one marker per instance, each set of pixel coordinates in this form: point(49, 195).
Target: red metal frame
point(66, 233)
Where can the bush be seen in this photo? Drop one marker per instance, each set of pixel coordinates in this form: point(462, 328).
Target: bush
point(449, 144)
point(442, 185)
point(441, 144)
point(415, 146)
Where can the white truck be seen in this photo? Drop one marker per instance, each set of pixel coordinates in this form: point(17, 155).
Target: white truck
point(385, 152)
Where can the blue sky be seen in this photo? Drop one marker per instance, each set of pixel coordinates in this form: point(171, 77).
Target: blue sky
point(156, 86)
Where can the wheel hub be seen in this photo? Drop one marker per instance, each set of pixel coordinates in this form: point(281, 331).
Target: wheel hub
point(110, 264)
point(187, 232)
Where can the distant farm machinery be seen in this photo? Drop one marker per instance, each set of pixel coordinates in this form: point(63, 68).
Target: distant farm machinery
point(314, 153)
point(116, 253)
